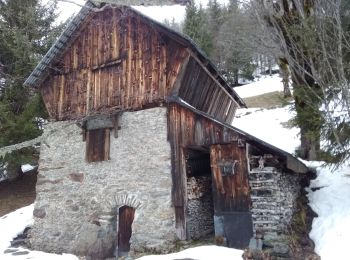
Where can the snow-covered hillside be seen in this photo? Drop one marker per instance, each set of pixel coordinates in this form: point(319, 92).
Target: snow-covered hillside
point(270, 125)
point(264, 85)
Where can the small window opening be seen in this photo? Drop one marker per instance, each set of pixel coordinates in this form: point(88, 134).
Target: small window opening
point(96, 133)
point(97, 145)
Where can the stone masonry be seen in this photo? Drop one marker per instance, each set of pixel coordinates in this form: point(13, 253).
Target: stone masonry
point(273, 196)
point(77, 203)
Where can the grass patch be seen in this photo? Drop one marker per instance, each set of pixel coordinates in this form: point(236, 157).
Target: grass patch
point(268, 100)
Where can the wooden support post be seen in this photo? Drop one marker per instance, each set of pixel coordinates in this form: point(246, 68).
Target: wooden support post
point(84, 134)
point(116, 125)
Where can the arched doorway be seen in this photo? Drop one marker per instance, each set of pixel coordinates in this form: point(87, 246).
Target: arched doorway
point(126, 217)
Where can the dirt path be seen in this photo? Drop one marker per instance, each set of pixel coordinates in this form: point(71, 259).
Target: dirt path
point(17, 194)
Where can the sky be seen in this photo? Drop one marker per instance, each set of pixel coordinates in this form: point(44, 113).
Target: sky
point(69, 7)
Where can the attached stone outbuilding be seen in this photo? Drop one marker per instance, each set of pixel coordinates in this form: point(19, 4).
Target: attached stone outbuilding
point(141, 151)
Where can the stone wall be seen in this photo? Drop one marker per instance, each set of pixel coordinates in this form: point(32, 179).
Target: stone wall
point(77, 203)
point(273, 196)
point(200, 209)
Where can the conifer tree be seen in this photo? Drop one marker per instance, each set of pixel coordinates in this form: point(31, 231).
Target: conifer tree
point(196, 27)
point(26, 32)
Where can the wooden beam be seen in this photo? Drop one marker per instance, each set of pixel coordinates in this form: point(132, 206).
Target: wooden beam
point(108, 64)
point(194, 56)
point(180, 76)
point(116, 125)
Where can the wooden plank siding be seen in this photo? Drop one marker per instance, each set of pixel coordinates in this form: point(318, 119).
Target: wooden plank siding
point(117, 62)
point(121, 60)
point(202, 91)
point(188, 129)
point(230, 192)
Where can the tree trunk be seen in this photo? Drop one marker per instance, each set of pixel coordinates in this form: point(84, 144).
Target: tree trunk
point(262, 69)
point(235, 77)
point(269, 62)
point(309, 119)
point(284, 72)
point(309, 147)
point(286, 89)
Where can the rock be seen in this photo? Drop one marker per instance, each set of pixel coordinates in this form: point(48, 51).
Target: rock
point(76, 176)
point(21, 253)
point(281, 249)
point(39, 212)
point(95, 241)
point(18, 242)
point(255, 244)
point(10, 251)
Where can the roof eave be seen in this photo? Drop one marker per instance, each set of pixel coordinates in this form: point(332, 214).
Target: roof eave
point(292, 163)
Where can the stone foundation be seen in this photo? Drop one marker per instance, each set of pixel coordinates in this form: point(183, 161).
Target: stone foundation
point(77, 203)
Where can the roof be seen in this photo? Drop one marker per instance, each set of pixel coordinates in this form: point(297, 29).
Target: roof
point(41, 71)
point(292, 163)
point(146, 2)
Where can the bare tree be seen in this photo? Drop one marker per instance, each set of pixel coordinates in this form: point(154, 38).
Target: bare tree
point(315, 46)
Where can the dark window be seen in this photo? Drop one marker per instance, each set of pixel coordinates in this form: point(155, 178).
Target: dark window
point(228, 168)
point(97, 145)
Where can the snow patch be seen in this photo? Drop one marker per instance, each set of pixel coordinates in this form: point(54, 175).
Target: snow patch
point(13, 224)
point(201, 253)
point(263, 86)
point(269, 125)
point(27, 167)
point(331, 229)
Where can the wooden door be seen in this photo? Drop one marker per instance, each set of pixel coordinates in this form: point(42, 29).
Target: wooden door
point(126, 217)
point(231, 194)
point(230, 178)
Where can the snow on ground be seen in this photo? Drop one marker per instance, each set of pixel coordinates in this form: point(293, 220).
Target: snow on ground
point(269, 125)
point(331, 229)
point(201, 253)
point(27, 167)
point(13, 224)
point(264, 85)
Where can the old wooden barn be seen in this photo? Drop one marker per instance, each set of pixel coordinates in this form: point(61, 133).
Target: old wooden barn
point(140, 151)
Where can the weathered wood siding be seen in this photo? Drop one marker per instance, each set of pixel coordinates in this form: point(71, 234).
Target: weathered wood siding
point(231, 192)
point(202, 91)
point(117, 62)
point(190, 130)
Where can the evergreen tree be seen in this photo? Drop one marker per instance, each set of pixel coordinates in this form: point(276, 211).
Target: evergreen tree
point(196, 27)
point(26, 32)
